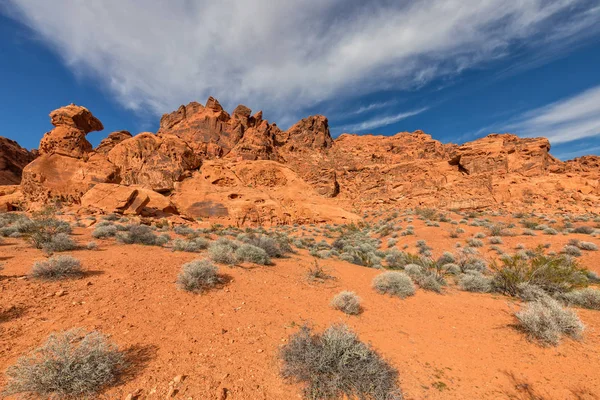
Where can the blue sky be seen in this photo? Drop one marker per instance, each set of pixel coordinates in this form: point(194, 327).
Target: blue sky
point(455, 70)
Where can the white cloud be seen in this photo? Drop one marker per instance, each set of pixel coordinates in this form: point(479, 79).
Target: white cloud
point(379, 121)
point(284, 56)
point(567, 120)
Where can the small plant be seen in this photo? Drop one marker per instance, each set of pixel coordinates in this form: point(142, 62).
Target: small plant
point(139, 234)
point(474, 281)
point(586, 230)
point(59, 243)
point(191, 246)
point(546, 321)
point(495, 240)
point(104, 231)
point(588, 246)
point(198, 276)
point(91, 246)
point(223, 251)
point(336, 364)
point(250, 253)
point(553, 274)
point(586, 298)
point(71, 364)
point(394, 283)
point(475, 242)
point(317, 273)
point(57, 267)
point(572, 251)
point(347, 302)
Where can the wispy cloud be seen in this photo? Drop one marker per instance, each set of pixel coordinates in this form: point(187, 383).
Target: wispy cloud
point(567, 120)
point(379, 121)
point(288, 55)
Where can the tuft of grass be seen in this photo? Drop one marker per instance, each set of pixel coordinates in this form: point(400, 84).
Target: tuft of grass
point(317, 273)
point(198, 276)
point(57, 267)
point(70, 364)
point(395, 283)
point(347, 302)
point(546, 321)
point(336, 364)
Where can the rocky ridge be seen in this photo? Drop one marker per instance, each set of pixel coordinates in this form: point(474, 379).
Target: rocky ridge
point(206, 163)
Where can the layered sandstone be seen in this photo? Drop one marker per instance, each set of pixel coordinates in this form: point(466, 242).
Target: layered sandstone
point(13, 158)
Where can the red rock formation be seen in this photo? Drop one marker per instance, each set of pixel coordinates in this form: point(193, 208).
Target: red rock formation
point(13, 158)
point(111, 141)
point(151, 161)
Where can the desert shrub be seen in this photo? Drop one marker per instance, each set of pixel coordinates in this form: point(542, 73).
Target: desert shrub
point(59, 243)
point(250, 253)
point(475, 242)
point(587, 230)
point(396, 259)
point(553, 274)
point(41, 231)
point(495, 240)
point(184, 230)
point(430, 282)
point(479, 235)
point(589, 246)
point(191, 246)
point(198, 276)
point(91, 246)
point(336, 364)
point(70, 364)
point(111, 217)
point(270, 245)
point(546, 321)
point(529, 292)
point(57, 267)
point(550, 231)
point(451, 268)
point(474, 281)
point(528, 232)
point(223, 251)
point(572, 251)
point(394, 283)
point(347, 302)
point(139, 234)
point(499, 229)
point(317, 273)
point(586, 298)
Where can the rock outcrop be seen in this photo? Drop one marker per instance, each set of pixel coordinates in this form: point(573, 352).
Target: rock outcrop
point(240, 169)
point(13, 158)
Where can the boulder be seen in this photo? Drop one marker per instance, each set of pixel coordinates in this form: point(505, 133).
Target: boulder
point(77, 117)
point(113, 198)
point(108, 143)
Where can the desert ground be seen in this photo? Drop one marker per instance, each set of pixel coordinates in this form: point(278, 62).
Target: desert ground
point(224, 343)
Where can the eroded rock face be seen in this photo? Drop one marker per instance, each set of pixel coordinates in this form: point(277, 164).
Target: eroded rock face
point(72, 124)
point(504, 153)
point(55, 177)
point(151, 161)
point(13, 158)
point(108, 143)
point(310, 134)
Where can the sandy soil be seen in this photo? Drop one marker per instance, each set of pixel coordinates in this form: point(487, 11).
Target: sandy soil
point(453, 346)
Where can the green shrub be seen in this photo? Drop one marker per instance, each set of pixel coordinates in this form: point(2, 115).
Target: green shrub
point(71, 364)
point(336, 364)
point(347, 302)
point(57, 267)
point(546, 321)
point(41, 231)
point(394, 283)
point(198, 276)
point(553, 274)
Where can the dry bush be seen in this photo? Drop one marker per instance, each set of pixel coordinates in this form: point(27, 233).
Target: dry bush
point(347, 302)
point(336, 364)
point(198, 276)
point(59, 243)
point(317, 273)
point(250, 253)
point(223, 251)
point(586, 298)
point(57, 267)
point(546, 321)
point(394, 283)
point(72, 364)
point(474, 281)
point(194, 245)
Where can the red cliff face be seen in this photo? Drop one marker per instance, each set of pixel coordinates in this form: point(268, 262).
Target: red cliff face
point(205, 162)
